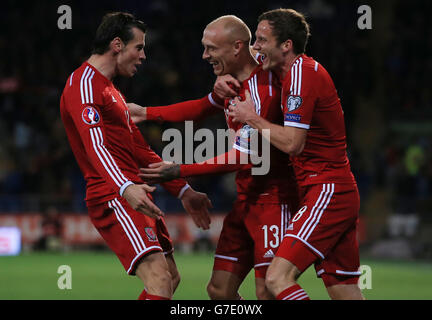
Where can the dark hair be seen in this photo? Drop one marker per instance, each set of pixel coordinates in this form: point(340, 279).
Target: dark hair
point(115, 24)
point(288, 24)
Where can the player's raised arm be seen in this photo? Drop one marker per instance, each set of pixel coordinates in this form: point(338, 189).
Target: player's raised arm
point(145, 156)
point(231, 161)
point(290, 140)
point(177, 112)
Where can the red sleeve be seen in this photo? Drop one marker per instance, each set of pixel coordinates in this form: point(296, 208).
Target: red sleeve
point(88, 121)
point(145, 155)
point(300, 98)
point(230, 161)
point(187, 110)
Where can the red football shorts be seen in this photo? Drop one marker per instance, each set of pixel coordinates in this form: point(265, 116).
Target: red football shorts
point(129, 233)
point(324, 232)
point(250, 236)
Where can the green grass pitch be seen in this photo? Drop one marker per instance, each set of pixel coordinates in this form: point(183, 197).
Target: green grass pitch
point(100, 276)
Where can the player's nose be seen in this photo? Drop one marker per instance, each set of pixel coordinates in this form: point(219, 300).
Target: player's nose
point(142, 55)
point(256, 46)
point(205, 55)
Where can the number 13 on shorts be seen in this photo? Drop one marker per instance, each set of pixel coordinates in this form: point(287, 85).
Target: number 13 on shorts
point(272, 236)
point(274, 226)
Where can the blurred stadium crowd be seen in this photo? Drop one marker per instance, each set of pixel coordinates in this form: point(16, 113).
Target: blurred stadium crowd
point(381, 76)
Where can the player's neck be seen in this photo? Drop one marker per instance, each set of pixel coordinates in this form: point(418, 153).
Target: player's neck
point(104, 64)
point(246, 69)
point(287, 64)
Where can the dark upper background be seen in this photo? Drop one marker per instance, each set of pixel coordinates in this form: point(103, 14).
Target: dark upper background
point(381, 76)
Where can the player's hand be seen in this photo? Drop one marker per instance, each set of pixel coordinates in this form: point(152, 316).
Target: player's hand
point(160, 172)
point(197, 204)
point(136, 196)
point(242, 111)
point(137, 113)
point(226, 86)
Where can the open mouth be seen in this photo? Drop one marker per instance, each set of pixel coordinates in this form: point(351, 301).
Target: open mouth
point(136, 66)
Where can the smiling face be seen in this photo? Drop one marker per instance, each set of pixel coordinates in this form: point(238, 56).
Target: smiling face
point(267, 45)
point(218, 49)
point(132, 54)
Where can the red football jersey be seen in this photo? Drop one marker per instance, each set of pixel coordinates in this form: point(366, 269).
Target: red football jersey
point(310, 101)
point(106, 143)
point(265, 91)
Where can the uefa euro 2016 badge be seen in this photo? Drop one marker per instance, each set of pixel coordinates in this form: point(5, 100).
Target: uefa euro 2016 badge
point(150, 234)
point(294, 102)
point(90, 115)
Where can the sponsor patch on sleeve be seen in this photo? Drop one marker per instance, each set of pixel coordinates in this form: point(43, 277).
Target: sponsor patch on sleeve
point(289, 117)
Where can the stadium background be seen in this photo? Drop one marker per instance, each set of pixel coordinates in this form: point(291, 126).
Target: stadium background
point(381, 76)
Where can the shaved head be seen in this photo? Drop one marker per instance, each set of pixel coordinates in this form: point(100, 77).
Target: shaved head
point(233, 28)
point(226, 41)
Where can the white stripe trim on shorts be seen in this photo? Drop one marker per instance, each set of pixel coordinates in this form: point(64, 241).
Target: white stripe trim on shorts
point(312, 211)
point(349, 273)
point(262, 264)
point(128, 226)
point(306, 243)
point(125, 227)
point(139, 255)
point(285, 218)
point(128, 218)
point(226, 257)
point(316, 212)
point(319, 215)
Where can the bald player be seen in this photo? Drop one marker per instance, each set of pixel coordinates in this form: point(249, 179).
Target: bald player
point(254, 228)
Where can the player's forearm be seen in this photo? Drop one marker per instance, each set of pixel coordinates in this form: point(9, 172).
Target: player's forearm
point(197, 169)
point(137, 112)
point(283, 138)
point(145, 155)
point(228, 162)
point(183, 111)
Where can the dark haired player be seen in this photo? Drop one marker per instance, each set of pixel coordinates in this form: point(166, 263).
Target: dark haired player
point(110, 149)
point(323, 231)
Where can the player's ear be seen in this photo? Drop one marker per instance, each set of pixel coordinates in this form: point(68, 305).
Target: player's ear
point(116, 44)
point(238, 46)
point(287, 45)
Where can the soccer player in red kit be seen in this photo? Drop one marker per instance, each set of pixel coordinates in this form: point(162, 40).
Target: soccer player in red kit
point(253, 229)
point(323, 231)
point(110, 149)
